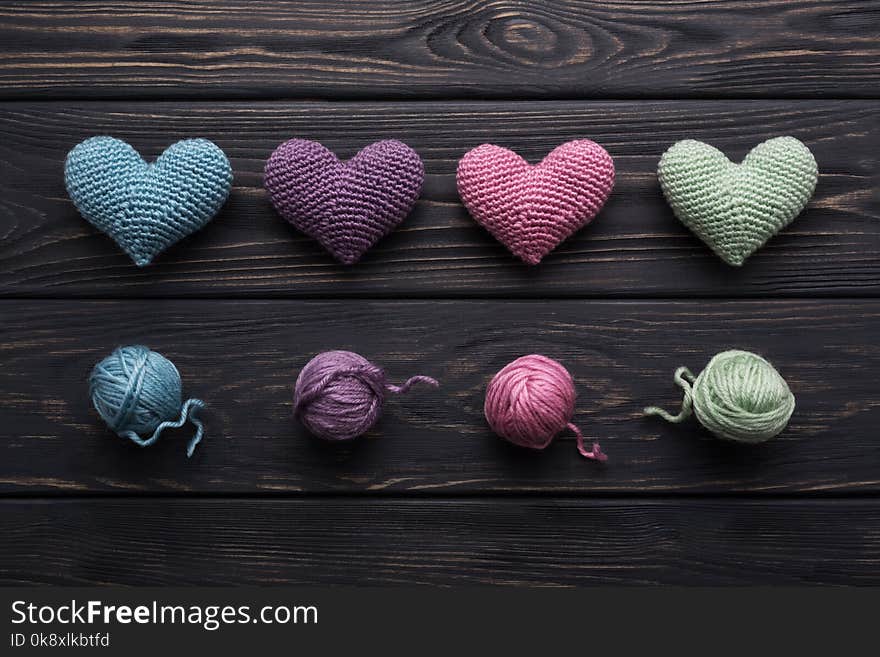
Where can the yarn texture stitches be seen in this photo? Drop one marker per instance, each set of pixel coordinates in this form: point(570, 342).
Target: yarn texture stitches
point(532, 209)
point(137, 392)
point(346, 206)
point(144, 207)
point(736, 208)
point(739, 396)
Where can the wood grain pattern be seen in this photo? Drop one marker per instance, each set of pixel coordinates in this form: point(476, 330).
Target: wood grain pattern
point(242, 358)
point(400, 48)
point(634, 248)
point(439, 542)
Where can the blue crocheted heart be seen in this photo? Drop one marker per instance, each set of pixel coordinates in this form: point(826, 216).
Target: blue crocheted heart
point(144, 207)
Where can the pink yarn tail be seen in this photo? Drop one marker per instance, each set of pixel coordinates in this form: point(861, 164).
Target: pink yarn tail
point(596, 455)
point(409, 383)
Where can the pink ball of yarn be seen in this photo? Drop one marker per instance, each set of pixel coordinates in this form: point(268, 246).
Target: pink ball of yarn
point(531, 400)
point(339, 394)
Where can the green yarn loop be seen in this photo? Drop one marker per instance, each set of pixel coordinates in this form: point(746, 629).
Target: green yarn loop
point(739, 396)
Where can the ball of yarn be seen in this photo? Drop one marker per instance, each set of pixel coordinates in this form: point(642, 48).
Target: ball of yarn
point(739, 396)
point(339, 394)
point(137, 392)
point(531, 400)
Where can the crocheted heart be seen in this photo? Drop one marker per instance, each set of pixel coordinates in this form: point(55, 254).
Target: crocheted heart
point(346, 206)
point(144, 207)
point(531, 209)
point(736, 208)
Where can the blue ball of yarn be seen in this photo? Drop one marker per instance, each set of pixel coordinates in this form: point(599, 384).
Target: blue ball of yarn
point(137, 392)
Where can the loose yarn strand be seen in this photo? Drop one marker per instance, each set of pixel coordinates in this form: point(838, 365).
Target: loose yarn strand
point(685, 379)
point(409, 383)
point(187, 413)
point(596, 455)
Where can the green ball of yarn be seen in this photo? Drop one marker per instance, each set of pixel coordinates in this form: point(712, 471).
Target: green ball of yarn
point(739, 396)
point(137, 392)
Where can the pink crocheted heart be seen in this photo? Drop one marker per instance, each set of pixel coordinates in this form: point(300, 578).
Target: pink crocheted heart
point(531, 209)
point(346, 206)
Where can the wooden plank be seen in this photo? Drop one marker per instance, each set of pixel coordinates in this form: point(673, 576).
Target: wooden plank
point(439, 542)
point(242, 358)
point(400, 48)
point(636, 247)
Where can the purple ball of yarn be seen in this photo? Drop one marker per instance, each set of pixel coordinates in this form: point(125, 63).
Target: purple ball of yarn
point(339, 394)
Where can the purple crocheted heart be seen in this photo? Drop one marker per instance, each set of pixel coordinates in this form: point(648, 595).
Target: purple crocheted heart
point(346, 206)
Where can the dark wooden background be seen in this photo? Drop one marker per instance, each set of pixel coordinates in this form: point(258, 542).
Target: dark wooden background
point(430, 496)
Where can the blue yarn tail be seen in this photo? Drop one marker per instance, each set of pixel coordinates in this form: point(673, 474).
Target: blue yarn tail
point(190, 407)
point(187, 413)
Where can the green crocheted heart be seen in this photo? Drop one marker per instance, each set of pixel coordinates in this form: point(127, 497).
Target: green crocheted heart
point(736, 208)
